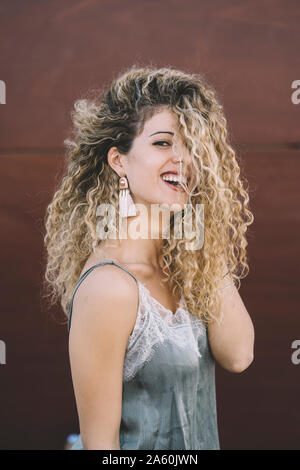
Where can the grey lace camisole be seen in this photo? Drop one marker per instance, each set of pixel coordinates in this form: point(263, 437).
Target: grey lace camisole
point(168, 394)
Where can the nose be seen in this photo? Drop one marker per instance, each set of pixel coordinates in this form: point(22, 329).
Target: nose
point(183, 160)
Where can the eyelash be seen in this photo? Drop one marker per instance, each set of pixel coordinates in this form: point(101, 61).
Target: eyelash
point(161, 142)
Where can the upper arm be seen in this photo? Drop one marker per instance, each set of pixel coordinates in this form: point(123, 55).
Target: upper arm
point(104, 312)
point(232, 341)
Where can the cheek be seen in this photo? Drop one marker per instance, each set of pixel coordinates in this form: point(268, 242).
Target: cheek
point(145, 174)
point(147, 186)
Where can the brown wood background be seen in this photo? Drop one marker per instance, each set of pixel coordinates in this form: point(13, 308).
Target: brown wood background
point(51, 53)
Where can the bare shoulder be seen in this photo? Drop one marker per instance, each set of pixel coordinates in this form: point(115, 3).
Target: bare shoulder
point(104, 313)
point(108, 295)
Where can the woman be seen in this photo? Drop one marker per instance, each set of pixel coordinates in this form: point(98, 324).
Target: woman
point(155, 305)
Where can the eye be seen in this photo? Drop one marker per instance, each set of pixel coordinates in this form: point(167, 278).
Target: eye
point(158, 142)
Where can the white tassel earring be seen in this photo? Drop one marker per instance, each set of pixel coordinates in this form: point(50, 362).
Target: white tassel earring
point(126, 204)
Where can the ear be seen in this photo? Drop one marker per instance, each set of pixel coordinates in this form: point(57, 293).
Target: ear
point(116, 161)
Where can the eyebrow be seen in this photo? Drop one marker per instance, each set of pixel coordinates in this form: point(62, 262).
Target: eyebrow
point(162, 132)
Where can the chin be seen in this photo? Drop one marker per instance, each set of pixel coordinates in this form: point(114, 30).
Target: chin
point(174, 206)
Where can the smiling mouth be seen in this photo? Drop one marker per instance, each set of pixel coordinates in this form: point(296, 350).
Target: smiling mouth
point(173, 185)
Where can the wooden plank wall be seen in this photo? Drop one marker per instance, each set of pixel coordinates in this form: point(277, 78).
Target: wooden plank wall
point(51, 55)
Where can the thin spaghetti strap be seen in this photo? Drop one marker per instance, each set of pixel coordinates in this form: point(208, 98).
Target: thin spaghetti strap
point(83, 276)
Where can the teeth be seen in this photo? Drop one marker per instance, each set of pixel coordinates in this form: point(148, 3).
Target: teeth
point(171, 178)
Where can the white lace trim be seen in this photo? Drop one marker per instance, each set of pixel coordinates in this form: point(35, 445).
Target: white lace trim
point(156, 324)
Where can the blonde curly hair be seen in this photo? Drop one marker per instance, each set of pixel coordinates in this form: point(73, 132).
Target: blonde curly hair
point(114, 117)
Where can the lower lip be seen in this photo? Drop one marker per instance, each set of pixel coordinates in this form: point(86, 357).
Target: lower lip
point(175, 188)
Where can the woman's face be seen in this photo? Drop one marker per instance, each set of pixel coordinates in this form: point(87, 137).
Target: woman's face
point(151, 156)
